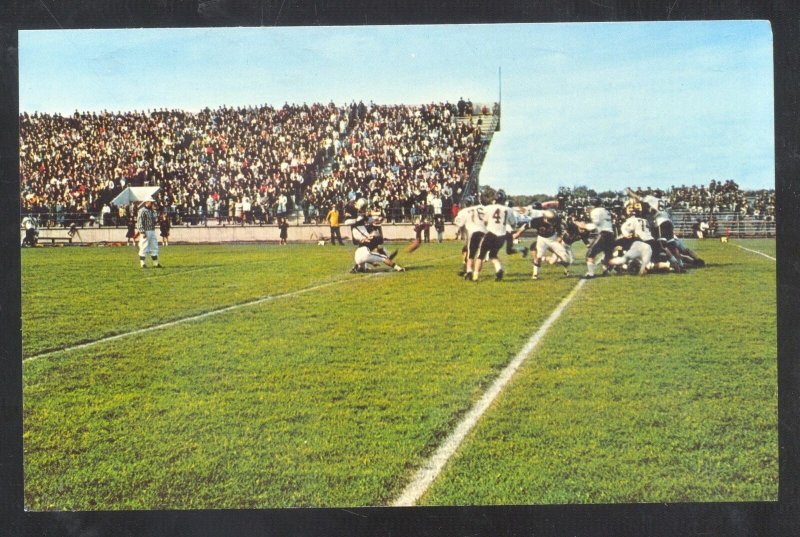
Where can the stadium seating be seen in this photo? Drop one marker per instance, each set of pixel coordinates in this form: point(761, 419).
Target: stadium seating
point(281, 160)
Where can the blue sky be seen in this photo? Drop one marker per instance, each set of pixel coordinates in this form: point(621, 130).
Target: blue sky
point(607, 105)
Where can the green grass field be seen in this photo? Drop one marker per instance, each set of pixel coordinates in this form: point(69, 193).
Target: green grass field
point(318, 387)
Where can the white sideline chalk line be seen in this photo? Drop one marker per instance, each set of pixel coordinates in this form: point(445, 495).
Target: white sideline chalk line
point(433, 466)
point(193, 318)
point(196, 317)
point(756, 252)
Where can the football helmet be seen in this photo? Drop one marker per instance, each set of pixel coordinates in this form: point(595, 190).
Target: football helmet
point(634, 267)
point(500, 196)
point(633, 209)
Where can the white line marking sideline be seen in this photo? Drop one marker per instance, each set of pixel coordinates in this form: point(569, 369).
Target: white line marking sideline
point(193, 318)
point(433, 466)
point(196, 317)
point(756, 252)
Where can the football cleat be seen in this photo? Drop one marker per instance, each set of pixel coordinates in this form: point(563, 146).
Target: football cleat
point(499, 275)
point(524, 252)
point(393, 255)
point(587, 276)
point(354, 270)
point(534, 277)
point(158, 266)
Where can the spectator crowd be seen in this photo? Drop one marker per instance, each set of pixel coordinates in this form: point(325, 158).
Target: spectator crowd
point(721, 205)
point(254, 165)
point(717, 197)
point(247, 164)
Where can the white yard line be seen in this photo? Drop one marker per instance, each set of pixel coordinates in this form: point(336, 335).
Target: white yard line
point(197, 317)
point(756, 252)
point(433, 466)
point(194, 318)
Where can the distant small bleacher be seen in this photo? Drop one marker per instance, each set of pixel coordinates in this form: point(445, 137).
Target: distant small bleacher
point(728, 224)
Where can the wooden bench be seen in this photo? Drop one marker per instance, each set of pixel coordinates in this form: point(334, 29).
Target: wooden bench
point(55, 238)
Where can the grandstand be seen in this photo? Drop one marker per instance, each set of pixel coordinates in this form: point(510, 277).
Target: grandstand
point(295, 161)
point(247, 166)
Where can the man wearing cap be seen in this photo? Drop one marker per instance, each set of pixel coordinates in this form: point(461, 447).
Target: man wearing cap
point(146, 229)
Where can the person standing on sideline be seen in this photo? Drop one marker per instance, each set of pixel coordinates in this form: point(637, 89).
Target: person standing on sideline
point(130, 234)
point(438, 224)
point(333, 221)
point(284, 227)
point(146, 230)
point(164, 225)
point(31, 230)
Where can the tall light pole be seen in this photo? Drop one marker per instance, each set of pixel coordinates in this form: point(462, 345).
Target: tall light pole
point(499, 97)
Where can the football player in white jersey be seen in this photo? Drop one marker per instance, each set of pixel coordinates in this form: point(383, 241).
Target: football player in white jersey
point(603, 243)
point(637, 226)
point(496, 217)
point(471, 221)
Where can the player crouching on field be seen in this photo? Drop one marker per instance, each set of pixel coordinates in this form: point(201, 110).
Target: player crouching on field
point(366, 233)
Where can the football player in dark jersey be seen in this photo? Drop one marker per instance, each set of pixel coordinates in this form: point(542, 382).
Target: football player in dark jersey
point(548, 228)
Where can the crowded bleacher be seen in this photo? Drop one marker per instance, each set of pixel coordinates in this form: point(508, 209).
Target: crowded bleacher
point(250, 165)
point(722, 205)
point(246, 165)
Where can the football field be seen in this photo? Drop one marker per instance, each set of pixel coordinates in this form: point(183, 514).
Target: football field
point(260, 376)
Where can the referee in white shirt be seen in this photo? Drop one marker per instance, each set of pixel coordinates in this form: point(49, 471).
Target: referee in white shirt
point(146, 220)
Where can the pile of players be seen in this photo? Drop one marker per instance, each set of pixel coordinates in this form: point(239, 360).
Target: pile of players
point(646, 242)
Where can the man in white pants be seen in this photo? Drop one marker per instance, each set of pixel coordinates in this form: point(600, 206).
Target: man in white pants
point(364, 256)
point(636, 256)
point(548, 228)
point(146, 220)
point(367, 234)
